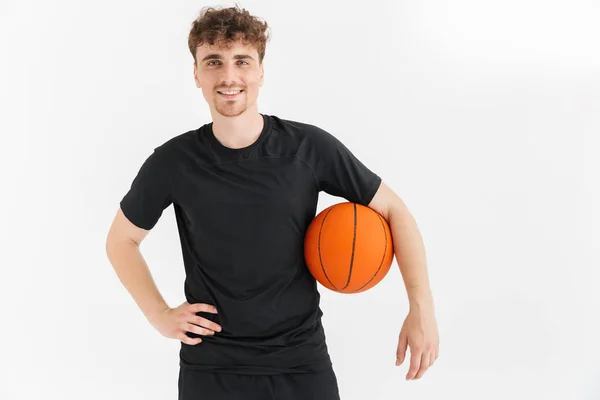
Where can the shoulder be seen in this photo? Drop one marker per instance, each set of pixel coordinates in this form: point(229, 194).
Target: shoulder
point(301, 131)
point(176, 145)
point(172, 152)
point(167, 159)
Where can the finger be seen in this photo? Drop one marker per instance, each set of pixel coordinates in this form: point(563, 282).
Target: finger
point(197, 329)
point(202, 307)
point(424, 365)
point(188, 340)
point(401, 352)
point(415, 363)
point(206, 323)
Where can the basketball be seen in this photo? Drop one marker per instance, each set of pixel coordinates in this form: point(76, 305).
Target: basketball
point(348, 248)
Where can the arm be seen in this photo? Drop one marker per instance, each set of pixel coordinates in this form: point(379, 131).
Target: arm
point(408, 245)
point(419, 330)
point(122, 249)
point(150, 193)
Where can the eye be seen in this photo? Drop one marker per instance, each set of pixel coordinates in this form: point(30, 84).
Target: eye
point(210, 62)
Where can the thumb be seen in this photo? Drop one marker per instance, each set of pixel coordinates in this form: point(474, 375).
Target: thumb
point(401, 352)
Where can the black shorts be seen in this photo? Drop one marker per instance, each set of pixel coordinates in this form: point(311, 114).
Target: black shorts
point(204, 385)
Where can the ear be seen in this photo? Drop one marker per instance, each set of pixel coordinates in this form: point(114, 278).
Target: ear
point(196, 76)
point(262, 74)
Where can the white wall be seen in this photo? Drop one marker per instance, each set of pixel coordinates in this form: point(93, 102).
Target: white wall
point(483, 116)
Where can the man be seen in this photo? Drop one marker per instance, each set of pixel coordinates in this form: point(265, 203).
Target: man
point(244, 189)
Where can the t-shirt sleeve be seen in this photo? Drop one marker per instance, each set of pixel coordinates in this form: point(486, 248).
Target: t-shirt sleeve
point(340, 173)
point(151, 190)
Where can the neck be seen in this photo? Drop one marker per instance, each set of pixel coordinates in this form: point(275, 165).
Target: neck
point(239, 131)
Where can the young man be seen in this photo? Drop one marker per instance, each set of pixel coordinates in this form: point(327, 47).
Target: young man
point(244, 189)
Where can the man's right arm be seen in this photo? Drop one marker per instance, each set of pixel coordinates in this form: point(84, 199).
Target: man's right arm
point(123, 251)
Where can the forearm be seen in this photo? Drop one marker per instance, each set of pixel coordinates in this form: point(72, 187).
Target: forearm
point(133, 272)
point(410, 256)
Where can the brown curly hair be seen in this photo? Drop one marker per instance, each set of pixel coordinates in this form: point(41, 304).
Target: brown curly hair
point(227, 25)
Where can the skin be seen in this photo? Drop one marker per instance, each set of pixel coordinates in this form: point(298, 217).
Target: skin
point(419, 330)
point(237, 123)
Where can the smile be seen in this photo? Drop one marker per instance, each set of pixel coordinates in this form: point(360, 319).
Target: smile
point(230, 94)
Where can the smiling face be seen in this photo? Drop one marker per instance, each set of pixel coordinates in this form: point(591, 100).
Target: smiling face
point(229, 77)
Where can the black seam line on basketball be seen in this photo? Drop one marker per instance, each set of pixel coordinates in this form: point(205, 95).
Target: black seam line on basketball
point(319, 248)
point(353, 247)
point(382, 258)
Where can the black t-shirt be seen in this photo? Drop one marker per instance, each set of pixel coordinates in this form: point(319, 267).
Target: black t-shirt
point(242, 215)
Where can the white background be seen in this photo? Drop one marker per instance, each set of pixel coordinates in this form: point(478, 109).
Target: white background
point(483, 116)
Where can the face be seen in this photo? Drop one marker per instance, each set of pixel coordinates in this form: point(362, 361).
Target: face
point(220, 69)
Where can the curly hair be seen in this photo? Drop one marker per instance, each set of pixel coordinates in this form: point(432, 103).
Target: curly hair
point(225, 26)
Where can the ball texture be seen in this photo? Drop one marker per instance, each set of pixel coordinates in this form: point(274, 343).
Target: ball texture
point(348, 248)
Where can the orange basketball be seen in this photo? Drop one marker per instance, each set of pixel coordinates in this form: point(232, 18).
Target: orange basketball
point(348, 248)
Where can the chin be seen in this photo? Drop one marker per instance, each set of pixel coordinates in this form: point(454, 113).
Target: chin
point(231, 112)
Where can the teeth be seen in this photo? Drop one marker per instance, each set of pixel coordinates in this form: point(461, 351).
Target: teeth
point(231, 92)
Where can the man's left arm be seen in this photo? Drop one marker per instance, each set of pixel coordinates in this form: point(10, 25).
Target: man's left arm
point(419, 330)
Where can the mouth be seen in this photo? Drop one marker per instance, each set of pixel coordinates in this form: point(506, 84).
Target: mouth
point(230, 94)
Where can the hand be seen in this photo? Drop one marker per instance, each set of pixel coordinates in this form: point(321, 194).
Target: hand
point(175, 322)
point(420, 332)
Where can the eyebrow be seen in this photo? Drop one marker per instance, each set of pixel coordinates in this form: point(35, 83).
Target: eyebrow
point(220, 57)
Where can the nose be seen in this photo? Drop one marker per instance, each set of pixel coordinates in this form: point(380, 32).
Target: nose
point(228, 74)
